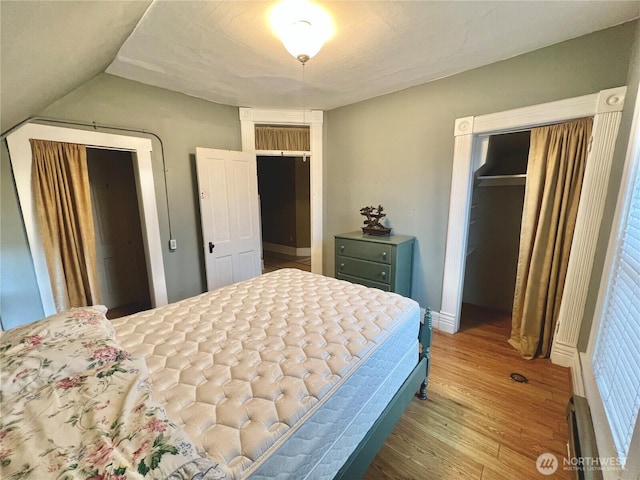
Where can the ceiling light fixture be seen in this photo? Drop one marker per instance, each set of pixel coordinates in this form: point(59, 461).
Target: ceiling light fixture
point(302, 26)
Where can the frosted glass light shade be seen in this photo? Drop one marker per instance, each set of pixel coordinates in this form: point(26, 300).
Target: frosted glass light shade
point(300, 39)
point(303, 27)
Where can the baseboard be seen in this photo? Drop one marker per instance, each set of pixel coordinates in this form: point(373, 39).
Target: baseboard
point(563, 354)
point(286, 250)
point(446, 322)
point(577, 377)
point(568, 356)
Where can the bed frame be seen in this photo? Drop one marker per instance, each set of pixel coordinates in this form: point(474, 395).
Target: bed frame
point(417, 381)
point(364, 453)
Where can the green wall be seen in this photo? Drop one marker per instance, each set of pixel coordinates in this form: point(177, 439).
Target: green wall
point(19, 296)
point(397, 150)
point(183, 123)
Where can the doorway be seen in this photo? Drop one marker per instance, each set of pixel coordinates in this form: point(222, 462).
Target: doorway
point(249, 117)
point(120, 259)
point(285, 211)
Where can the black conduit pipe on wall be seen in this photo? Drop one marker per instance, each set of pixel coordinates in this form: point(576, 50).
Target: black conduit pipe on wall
point(96, 126)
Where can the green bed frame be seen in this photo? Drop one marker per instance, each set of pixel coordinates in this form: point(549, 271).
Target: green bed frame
point(417, 381)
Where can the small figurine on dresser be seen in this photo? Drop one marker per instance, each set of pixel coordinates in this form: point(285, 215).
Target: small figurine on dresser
point(374, 215)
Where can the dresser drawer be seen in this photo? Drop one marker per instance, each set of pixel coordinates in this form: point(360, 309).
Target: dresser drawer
point(375, 252)
point(362, 281)
point(378, 272)
point(378, 262)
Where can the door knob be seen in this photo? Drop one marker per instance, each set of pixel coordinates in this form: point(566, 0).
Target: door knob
point(211, 247)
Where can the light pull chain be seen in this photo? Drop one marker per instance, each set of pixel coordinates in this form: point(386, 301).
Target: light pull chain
point(304, 123)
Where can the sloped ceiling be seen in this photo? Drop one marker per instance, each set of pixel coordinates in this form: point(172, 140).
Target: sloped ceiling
point(223, 51)
point(49, 48)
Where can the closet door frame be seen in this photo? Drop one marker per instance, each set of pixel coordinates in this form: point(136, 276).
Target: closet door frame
point(141, 148)
point(471, 136)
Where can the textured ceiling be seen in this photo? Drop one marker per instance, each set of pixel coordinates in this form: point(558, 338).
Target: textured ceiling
point(223, 51)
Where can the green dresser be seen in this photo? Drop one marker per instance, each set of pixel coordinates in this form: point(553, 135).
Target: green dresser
point(375, 261)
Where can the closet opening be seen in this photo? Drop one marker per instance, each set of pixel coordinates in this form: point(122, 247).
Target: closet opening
point(140, 150)
point(120, 257)
point(605, 108)
point(494, 232)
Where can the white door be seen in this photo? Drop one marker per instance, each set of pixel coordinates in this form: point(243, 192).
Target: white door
point(228, 191)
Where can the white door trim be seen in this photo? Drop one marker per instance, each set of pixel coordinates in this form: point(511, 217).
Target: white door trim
point(249, 117)
point(21, 162)
point(604, 438)
point(470, 134)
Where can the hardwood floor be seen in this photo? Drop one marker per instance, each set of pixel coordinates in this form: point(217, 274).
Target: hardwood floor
point(275, 261)
point(117, 312)
point(478, 423)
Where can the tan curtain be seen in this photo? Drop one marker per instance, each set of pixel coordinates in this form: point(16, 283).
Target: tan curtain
point(557, 159)
point(62, 196)
point(284, 138)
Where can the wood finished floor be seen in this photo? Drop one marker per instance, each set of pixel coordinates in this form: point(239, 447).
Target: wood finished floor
point(477, 422)
point(276, 261)
point(124, 310)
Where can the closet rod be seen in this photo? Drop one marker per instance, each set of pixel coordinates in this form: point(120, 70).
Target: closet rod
point(501, 180)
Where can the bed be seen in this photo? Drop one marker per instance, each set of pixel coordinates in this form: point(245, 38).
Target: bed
point(287, 375)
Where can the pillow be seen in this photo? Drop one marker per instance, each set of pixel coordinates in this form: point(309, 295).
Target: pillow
point(61, 325)
point(56, 347)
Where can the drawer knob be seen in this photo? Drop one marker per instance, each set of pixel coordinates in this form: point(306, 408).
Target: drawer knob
point(384, 254)
point(384, 274)
point(342, 266)
point(342, 248)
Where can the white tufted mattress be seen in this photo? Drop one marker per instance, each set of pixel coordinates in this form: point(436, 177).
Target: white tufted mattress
point(279, 376)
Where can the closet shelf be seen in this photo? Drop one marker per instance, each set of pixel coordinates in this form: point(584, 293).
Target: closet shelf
point(501, 180)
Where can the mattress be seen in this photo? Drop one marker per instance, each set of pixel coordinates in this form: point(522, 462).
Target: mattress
point(279, 375)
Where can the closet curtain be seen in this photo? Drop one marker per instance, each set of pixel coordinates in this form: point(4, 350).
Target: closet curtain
point(283, 138)
point(62, 197)
point(557, 160)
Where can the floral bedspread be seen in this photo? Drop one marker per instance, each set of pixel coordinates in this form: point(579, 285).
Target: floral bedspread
point(74, 405)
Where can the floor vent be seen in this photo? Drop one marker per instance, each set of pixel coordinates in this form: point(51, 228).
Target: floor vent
point(583, 451)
